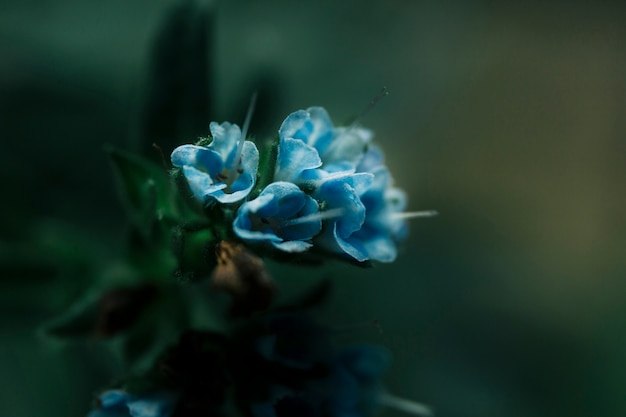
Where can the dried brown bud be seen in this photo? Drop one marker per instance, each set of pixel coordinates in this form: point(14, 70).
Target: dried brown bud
point(242, 274)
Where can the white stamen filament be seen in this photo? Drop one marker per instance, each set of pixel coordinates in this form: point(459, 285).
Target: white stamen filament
point(404, 405)
point(382, 93)
point(414, 214)
point(322, 215)
point(244, 129)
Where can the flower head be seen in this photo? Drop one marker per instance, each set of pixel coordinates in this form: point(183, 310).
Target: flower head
point(282, 215)
point(341, 192)
point(301, 374)
point(225, 170)
point(310, 146)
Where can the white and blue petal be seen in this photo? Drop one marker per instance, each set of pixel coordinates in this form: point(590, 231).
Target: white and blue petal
point(160, 404)
point(201, 184)
point(322, 132)
point(347, 148)
point(295, 157)
point(224, 171)
point(341, 192)
point(282, 215)
point(118, 403)
point(312, 126)
point(244, 180)
point(372, 159)
point(226, 137)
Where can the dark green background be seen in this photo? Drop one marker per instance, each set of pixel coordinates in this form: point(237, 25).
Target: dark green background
point(508, 118)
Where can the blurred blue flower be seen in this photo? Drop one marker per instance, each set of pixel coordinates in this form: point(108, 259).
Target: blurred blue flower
point(350, 387)
point(118, 403)
point(310, 146)
point(225, 170)
point(292, 370)
point(354, 384)
point(282, 215)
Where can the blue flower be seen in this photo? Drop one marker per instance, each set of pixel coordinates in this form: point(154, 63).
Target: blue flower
point(118, 403)
point(340, 193)
point(350, 387)
point(385, 221)
point(225, 170)
point(310, 146)
point(293, 371)
point(374, 220)
point(354, 384)
point(282, 215)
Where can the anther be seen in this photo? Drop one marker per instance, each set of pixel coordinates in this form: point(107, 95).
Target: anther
point(382, 93)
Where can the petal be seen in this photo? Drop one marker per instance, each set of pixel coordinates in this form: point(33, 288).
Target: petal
point(341, 193)
point(262, 206)
point(372, 159)
point(322, 133)
point(241, 187)
point(345, 389)
point(306, 230)
point(351, 246)
point(117, 412)
point(366, 362)
point(296, 125)
point(290, 199)
point(155, 405)
point(396, 198)
point(250, 158)
point(199, 157)
point(185, 155)
point(294, 156)
point(201, 184)
point(226, 138)
point(257, 236)
point(112, 398)
point(380, 247)
point(348, 146)
point(374, 198)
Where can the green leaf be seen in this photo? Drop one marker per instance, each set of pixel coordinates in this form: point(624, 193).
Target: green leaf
point(194, 248)
point(146, 189)
point(177, 101)
point(158, 327)
point(268, 152)
point(77, 322)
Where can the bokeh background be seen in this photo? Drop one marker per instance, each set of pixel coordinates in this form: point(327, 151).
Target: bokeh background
point(509, 118)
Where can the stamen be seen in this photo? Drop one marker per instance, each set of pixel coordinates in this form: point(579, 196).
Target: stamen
point(244, 129)
point(382, 93)
point(414, 214)
point(322, 215)
point(404, 405)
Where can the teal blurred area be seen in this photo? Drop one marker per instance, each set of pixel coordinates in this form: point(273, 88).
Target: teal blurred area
point(509, 118)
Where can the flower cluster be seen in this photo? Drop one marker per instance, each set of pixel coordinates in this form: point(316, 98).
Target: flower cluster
point(328, 191)
point(277, 365)
point(309, 377)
